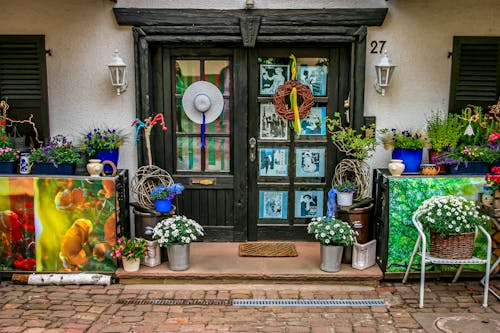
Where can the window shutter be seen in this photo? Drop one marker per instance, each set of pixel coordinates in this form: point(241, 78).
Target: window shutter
point(475, 72)
point(23, 80)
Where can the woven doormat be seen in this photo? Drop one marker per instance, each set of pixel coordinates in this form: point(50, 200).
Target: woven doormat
point(268, 249)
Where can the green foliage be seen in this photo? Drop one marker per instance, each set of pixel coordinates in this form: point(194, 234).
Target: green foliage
point(444, 131)
point(346, 186)
point(349, 141)
point(57, 151)
point(406, 139)
point(330, 231)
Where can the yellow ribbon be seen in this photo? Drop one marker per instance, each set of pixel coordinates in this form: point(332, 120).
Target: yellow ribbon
point(294, 67)
point(293, 98)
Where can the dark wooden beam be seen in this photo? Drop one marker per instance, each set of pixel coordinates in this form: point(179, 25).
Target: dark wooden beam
point(271, 17)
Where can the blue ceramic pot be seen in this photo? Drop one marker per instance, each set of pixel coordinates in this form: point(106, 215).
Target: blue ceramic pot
point(108, 155)
point(411, 158)
point(163, 205)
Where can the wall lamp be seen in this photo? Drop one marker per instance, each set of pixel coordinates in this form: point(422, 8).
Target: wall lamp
point(384, 69)
point(118, 72)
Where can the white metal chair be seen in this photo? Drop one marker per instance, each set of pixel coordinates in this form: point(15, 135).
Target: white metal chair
point(427, 258)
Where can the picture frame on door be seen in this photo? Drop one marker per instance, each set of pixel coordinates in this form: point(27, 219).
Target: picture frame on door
point(310, 162)
point(272, 126)
point(314, 123)
point(314, 77)
point(273, 204)
point(308, 204)
point(273, 162)
point(271, 77)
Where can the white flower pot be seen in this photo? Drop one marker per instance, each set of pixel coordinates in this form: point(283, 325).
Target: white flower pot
point(131, 265)
point(344, 198)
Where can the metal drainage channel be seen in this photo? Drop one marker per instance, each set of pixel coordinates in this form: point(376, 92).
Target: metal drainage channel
point(259, 302)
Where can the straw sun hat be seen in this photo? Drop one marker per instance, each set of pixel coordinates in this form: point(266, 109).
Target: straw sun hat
point(202, 98)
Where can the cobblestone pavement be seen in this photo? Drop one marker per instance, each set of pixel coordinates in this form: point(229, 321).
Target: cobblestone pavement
point(71, 308)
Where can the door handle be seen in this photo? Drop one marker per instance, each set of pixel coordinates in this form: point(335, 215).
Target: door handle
point(253, 145)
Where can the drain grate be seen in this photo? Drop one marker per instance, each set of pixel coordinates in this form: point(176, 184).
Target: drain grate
point(177, 301)
point(258, 302)
point(308, 302)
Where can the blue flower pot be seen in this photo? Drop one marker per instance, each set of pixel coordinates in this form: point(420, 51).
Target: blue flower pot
point(51, 169)
point(108, 155)
point(8, 167)
point(411, 158)
point(163, 205)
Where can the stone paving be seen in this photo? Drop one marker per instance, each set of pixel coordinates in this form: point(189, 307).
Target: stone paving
point(72, 308)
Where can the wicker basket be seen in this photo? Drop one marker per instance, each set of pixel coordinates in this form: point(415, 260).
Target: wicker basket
point(454, 246)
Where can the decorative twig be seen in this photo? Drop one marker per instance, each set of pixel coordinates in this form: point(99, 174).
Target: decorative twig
point(147, 125)
point(4, 119)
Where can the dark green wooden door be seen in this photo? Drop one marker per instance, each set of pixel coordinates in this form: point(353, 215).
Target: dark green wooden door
point(290, 172)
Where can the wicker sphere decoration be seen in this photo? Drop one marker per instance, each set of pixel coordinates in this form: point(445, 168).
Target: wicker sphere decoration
point(356, 171)
point(145, 180)
point(304, 97)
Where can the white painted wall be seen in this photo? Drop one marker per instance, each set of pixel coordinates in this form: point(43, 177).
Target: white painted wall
point(83, 34)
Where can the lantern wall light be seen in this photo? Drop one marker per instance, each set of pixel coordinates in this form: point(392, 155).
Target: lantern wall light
point(384, 69)
point(118, 72)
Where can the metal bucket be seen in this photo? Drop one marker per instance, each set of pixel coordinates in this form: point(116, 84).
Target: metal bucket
point(178, 257)
point(331, 258)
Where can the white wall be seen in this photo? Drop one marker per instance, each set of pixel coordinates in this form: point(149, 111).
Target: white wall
point(83, 34)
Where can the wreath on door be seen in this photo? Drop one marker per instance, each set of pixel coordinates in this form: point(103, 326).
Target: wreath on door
point(293, 100)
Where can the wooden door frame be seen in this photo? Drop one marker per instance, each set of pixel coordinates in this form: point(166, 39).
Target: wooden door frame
point(242, 30)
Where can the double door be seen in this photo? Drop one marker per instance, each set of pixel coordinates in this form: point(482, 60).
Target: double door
point(255, 178)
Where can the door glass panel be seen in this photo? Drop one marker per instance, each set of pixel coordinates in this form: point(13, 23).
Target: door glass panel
point(188, 154)
point(310, 162)
point(273, 162)
point(187, 72)
point(272, 126)
point(273, 204)
point(308, 204)
point(217, 154)
point(313, 73)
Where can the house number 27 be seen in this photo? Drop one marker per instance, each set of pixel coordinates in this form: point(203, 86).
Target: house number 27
point(377, 46)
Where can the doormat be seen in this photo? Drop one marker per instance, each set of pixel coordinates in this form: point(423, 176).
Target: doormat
point(268, 249)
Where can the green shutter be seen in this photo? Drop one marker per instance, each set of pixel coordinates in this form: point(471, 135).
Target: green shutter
point(475, 72)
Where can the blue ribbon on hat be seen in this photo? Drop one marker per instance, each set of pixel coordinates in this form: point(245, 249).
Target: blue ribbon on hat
point(203, 125)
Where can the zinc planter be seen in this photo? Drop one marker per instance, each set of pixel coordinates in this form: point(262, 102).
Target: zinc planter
point(331, 258)
point(178, 257)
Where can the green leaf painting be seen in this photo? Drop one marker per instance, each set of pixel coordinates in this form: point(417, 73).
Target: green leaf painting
point(406, 194)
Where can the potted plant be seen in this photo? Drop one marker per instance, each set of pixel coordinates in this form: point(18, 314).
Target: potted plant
point(345, 192)
point(333, 235)
point(130, 251)
point(176, 233)
point(163, 196)
point(406, 145)
point(103, 144)
point(493, 180)
point(8, 159)
point(452, 221)
point(357, 146)
point(57, 157)
point(444, 131)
